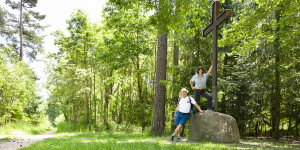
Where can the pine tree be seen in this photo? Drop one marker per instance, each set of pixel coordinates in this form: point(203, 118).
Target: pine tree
point(23, 31)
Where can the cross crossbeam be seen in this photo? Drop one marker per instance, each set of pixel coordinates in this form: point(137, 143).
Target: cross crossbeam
point(225, 14)
point(216, 20)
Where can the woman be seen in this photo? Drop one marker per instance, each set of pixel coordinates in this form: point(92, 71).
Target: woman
point(200, 79)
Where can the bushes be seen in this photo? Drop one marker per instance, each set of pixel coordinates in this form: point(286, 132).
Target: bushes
point(19, 100)
point(67, 126)
point(26, 127)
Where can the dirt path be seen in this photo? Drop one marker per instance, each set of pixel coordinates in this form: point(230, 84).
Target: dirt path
point(23, 140)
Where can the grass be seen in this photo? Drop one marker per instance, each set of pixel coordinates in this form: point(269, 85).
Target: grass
point(8, 138)
point(268, 144)
point(25, 128)
point(121, 140)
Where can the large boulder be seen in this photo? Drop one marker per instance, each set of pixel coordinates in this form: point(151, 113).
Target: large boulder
point(214, 126)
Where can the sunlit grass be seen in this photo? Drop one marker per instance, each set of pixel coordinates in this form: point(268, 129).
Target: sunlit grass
point(108, 140)
point(118, 141)
point(25, 128)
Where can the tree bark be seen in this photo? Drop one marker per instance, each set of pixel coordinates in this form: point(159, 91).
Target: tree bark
point(121, 113)
point(198, 49)
point(21, 30)
point(108, 92)
point(74, 102)
point(95, 104)
point(277, 77)
point(297, 132)
point(123, 96)
point(86, 85)
point(256, 128)
point(175, 63)
point(158, 121)
point(175, 52)
point(140, 94)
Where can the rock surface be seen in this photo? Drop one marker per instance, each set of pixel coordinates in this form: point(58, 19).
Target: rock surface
point(214, 126)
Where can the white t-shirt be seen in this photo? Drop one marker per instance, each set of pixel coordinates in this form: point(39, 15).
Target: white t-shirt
point(185, 104)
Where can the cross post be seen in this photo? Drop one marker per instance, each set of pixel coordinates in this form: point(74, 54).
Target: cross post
point(216, 20)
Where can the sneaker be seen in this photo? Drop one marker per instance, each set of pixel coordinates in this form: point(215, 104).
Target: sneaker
point(178, 139)
point(172, 138)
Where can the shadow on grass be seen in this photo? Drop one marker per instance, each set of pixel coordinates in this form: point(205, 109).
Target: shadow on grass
point(254, 143)
point(116, 141)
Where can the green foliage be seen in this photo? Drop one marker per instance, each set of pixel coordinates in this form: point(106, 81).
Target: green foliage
point(26, 128)
point(259, 38)
point(103, 76)
point(52, 112)
point(18, 97)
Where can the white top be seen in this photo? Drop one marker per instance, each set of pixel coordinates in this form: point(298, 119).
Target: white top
point(184, 104)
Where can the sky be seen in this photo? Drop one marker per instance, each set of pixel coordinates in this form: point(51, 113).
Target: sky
point(57, 12)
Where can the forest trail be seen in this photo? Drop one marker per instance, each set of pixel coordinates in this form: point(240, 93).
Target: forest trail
point(20, 140)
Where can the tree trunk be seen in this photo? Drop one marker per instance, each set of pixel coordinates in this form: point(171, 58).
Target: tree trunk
point(86, 85)
point(198, 49)
point(95, 104)
point(121, 114)
point(66, 116)
point(175, 52)
point(123, 96)
point(139, 83)
point(106, 108)
point(174, 92)
point(74, 102)
point(87, 106)
point(21, 30)
point(140, 94)
point(158, 121)
point(290, 126)
point(108, 91)
point(256, 128)
point(297, 132)
point(277, 77)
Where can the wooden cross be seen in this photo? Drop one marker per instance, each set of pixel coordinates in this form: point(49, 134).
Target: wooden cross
point(216, 20)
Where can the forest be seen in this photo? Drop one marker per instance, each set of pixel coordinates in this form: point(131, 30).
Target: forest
point(125, 72)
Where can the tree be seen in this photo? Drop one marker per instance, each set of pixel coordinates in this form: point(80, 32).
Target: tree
point(18, 93)
point(27, 28)
point(255, 30)
point(129, 44)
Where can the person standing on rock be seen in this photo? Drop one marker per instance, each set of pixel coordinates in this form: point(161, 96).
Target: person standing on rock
point(182, 112)
point(200, 79)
